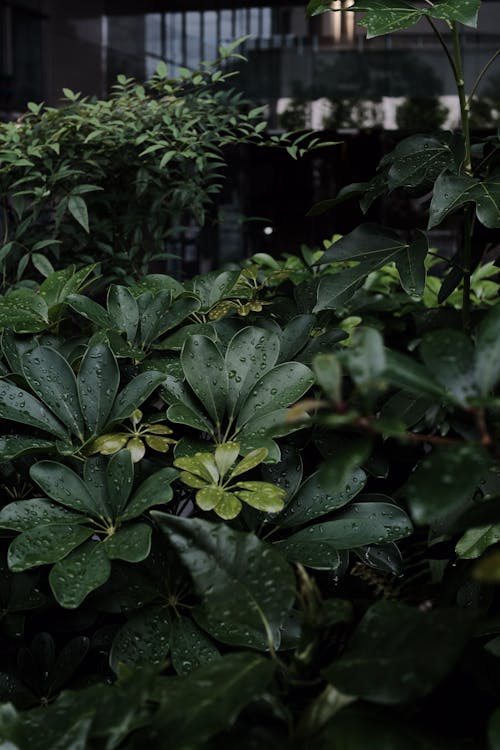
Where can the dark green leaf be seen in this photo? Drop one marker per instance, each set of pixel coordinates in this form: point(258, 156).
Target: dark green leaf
point(488, 352)
point(79, 573)
point(134, 394)
point(20, 406)
point(98, 381)
point(131, 543)
point(190, 648)
point(445, 481)
point(251, 353)
point(246, 587)
point(398, 653)
point(143, 640)
point(78, 209)
point(53, 380)
point(316, 497)
point(119, 480)
point(281, 387)
point(27, 514)
point(65, 487)
point(45, 544)
point(449, 355)
point(156, 490)
point(411, 266)
point(205, 372)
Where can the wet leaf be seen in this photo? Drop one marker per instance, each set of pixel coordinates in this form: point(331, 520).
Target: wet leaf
point(144, 639)
point(398, 653)
point(79, 573)
point(98, 381)
point(246, 587)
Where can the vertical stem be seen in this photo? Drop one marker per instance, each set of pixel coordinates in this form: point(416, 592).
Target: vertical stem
point(467, 168)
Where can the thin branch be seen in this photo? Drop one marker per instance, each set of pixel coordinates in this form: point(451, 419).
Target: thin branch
point(443, 45)
point(482, 74)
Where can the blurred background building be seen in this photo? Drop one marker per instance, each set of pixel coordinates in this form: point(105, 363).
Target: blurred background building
point(318, 72)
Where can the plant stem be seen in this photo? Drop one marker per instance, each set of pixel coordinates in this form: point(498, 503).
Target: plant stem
point(481, 74)
point(467, 168)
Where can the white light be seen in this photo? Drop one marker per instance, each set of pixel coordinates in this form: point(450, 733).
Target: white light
point(268, 230)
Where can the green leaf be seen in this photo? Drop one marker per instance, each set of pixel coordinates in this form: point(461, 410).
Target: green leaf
point(335, 290)
point(123, 310)
point(250, 461)
point(410, 375)
point(205, 372)
point(319, 495)
point(184, 414)
point(134, 394)
point(155, 490)
point(225, 455)
point(250, 354)
point(474, 542)
point(119, 480)
point(190, 648)
point(488, 352)
point(386, 16)
point(65, 487)
point(98, 381)
point(143, 640)
point(14, 446)
point(453, 191)
point(328, 371)
point(53, 380)
point(24, 311)
point(411, 266)
point(82, 571)
point(20, 406)
point(246, 587)
point(445, 481)
point(463, 11)
point(366, 357)
point(449, 355)
point(45, 544)
point(42, 264)
point(280, 387)
point(27, 514)
point(78, 210)
point(131, 543)
point(204, 703)
point(398, 654)
point(367, 242)
point(494, 730)
point(261, 495)
point(90, 310)
point(358, 525)
point(418, 159)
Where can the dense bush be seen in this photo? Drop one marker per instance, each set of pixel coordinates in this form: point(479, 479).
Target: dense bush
point(261, 507)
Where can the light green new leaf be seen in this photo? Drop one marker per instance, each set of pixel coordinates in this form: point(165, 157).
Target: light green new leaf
point(83, 570)
point(53, 381)
point(261, 496)
point(98, 381)
point(246, 587)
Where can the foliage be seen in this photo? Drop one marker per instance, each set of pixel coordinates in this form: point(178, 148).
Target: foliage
point(261, 507)
point(109, 181)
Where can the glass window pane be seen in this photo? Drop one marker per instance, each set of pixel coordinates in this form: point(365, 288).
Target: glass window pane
point(193, 29)
point(210, 40)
